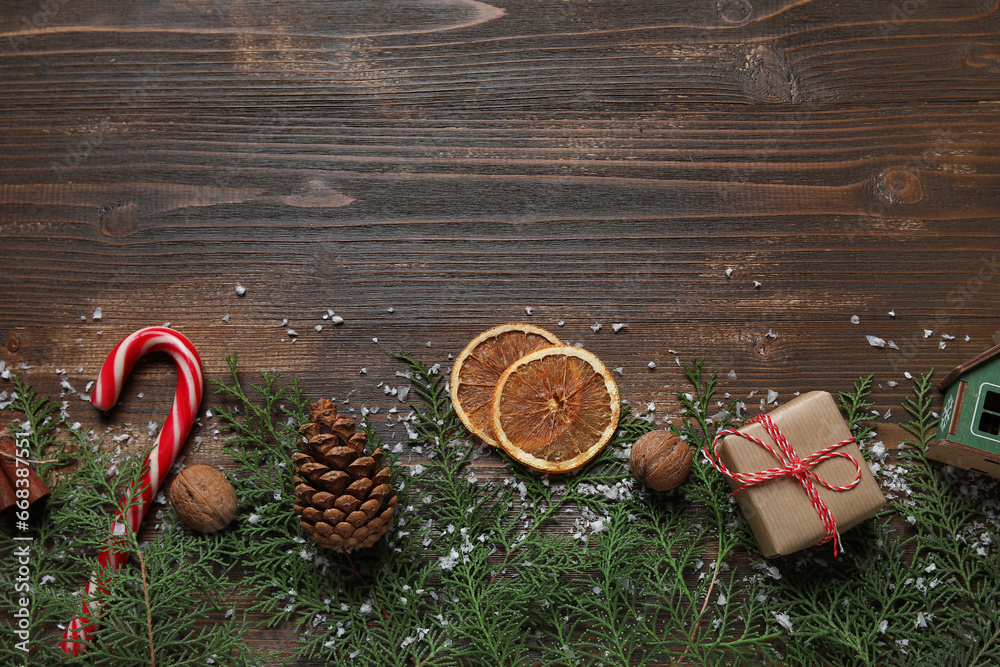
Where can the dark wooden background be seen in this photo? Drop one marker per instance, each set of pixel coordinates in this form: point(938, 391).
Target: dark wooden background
point(461, 162)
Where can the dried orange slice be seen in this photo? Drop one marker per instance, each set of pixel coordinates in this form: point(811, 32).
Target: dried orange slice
point(555, 408)
point(477, 369)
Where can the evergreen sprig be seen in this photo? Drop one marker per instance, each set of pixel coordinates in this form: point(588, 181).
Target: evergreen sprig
point(185, 577)
point(493, 563)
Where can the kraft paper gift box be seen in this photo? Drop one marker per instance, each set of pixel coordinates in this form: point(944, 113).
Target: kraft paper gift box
point(779, 510)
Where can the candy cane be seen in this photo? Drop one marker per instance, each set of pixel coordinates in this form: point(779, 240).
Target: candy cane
point(136, 500)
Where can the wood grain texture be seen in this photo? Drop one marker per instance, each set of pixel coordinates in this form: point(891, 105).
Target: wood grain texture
point(460, 162)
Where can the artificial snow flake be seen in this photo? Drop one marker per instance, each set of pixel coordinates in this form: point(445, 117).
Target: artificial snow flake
point(337, 319)
point(855, 319)
point(527, 310)
point(883, 626)
point(450, 561)
point(757, 284)
point(651, 364)
point(729, 273)
point(225, 318)
point(618, 326)
point(97, 313)
point(318, 328)
point(240, 290)
point(783, 620)
point(875, 341)
point(596, 326)
point(927, 333)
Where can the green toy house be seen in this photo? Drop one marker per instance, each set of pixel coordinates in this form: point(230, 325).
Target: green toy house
point(969, 430)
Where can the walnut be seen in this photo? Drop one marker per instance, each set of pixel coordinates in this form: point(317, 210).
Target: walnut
point(660, 460)
point(203, 498)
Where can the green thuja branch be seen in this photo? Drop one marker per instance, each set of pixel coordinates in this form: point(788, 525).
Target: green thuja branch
point(855, 405)
point(185, 575)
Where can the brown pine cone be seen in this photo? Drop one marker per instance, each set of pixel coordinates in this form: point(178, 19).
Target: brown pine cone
point(344, 498)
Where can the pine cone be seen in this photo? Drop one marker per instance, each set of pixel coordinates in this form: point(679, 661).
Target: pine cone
point(343, 502)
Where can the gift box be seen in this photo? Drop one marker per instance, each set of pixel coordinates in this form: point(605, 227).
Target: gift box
point(798, 475)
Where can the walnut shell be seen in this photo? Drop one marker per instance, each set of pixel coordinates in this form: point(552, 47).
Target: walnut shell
point(203, 498)
point(660, 460)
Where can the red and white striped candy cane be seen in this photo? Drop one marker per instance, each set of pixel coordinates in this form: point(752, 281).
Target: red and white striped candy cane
point(136, 500)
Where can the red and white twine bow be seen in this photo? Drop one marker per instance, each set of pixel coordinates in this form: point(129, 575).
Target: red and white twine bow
point(793, 465)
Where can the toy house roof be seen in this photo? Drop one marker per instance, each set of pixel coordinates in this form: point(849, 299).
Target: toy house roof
point(968, 366)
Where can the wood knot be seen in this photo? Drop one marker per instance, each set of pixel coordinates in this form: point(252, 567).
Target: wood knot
point(11, 342)
point(316, 194)
point(900, 186)
point(119, 219)
point(766, 76)
point(736, 12)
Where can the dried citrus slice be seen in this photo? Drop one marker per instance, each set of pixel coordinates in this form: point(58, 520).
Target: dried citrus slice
point(555, 409)
point(477, 369)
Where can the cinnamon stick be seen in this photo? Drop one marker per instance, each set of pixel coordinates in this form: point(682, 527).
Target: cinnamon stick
point(37, 490)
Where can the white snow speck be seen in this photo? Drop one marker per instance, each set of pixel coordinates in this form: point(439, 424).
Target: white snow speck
point(772, 396)
point(450, 561)
point(225, 318)
point(375, 340)
point(875, 341)
point(596, 326)
point(240, 290)
point(337, 319)
point(883, 626)
point(855, 319)
point(927, 333)
point(292, 332)
point(318, 328)
point(527, 309)
point(729, 273)
point(783, 620)
point(757, 284)
point(892, 313)
point(561, 323)
point(97, 313)
point(618, 326)
point(732, 375)
point(651, 364)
